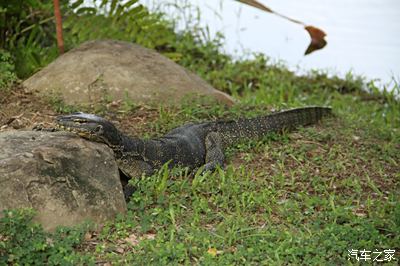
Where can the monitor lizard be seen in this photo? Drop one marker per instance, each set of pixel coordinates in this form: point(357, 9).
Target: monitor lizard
point(191, 145)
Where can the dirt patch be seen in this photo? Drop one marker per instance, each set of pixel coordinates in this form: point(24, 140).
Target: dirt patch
point(20, 109)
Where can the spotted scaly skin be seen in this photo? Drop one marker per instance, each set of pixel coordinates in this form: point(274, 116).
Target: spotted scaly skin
point(191, 145)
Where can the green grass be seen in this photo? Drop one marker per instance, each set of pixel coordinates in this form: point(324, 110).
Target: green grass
point(305, 197)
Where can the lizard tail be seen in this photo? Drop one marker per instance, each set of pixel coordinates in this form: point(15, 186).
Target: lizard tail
point(234, 131)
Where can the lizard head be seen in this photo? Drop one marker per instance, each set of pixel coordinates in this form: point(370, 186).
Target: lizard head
point(91, 127)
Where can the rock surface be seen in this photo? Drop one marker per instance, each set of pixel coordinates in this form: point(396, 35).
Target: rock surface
point(65, 178)
point(99, 70)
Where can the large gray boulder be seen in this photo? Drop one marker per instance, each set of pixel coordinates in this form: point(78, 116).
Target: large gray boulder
point(99, 70)
point(65, 178)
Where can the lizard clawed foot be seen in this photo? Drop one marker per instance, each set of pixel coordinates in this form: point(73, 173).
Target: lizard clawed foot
point(40, 127)
point(210, 167)
point(128, 192)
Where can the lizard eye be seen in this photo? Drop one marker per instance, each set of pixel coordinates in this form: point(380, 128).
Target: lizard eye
point(99, 129)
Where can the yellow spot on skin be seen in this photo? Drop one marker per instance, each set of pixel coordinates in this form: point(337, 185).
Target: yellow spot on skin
point(82, 134)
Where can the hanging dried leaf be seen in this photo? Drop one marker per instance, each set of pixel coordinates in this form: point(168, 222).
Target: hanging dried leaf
point(317, 35)
point(256, 5)
point(317, 39)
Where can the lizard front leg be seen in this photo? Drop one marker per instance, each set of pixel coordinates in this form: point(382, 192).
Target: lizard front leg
point(132, 169)
point(214, 152)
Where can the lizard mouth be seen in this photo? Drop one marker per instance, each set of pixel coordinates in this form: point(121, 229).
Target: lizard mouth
point(82, 126)
point(91, 127)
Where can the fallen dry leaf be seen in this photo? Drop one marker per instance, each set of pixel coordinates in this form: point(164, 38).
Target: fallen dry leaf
point(120, 250)
point(88, 236)
point(132, 239)
point(150, 236)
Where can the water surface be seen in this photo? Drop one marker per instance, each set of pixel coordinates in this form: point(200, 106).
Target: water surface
point(363, 35)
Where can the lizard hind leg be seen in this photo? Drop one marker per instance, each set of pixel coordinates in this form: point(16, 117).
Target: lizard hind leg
point(214, 152)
